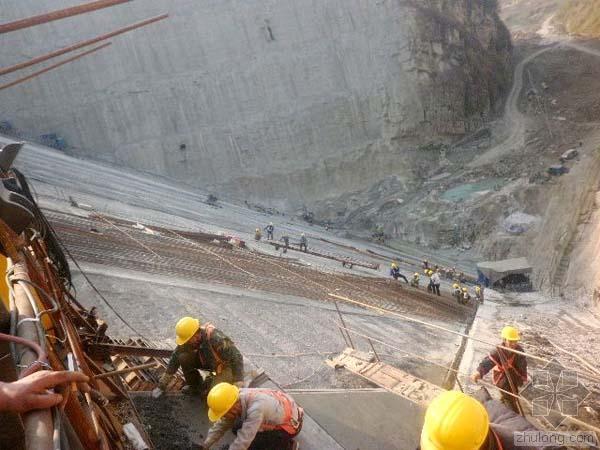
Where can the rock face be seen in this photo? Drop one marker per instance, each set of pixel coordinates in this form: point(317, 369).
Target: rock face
point(284, 102)
point(580, 17)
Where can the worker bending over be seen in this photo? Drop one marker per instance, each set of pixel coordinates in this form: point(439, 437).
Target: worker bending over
point(509, 369)
point(395, 272)
point(457, 292)
point(202, 348)
point(465, 297)
point(415, 280)
point(261, 419)
point(457, 421)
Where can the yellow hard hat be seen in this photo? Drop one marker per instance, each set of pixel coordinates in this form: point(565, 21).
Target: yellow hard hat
point(185, 329)
point(454, 421)
point(416, 274)
point(394, 265)
point(477, 288)
point(220, 400)
point(465, 289)
point(455, 286)
point(510, 333)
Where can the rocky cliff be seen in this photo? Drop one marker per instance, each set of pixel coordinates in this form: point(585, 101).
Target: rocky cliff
point(283, 102)
point(581, 17)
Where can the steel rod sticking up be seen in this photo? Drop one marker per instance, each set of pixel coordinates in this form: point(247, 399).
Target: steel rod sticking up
point(58, 14)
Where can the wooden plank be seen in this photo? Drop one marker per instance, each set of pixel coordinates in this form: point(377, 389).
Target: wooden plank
point(388, 377)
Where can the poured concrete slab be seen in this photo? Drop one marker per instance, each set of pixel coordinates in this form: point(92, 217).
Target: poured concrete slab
point(365, 420)
point(176, 422)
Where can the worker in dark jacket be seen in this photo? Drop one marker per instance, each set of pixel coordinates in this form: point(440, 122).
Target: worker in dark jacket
point(203, 348)
point(455, 420)
point(395, 272)
point(509, 369)
point(270, 229)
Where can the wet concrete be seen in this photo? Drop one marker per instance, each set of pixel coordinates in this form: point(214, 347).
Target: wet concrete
point(362, 420)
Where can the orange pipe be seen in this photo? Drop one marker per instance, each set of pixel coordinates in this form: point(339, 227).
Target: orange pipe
point(79, 45)
point(53, 66)
point(58, 14)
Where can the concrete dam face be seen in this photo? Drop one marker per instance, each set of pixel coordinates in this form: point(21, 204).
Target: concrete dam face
point(285, 102)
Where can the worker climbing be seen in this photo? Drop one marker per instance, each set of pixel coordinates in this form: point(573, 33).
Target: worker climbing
point(509, 369)
point(261, 419)
point(395, 272)
point(270, 229)
point(457, 421)
point(202, 348)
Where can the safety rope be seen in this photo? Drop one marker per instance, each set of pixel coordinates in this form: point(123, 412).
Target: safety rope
point(458, 372)
point(457, 333)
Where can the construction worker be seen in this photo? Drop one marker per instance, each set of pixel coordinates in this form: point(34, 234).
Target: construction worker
point(257, 234)
point(261, 419)
point(479, 293)
point(430, 287)
point(465, 297)
point(435, 282)
point(395, 272)
point(457, 292)
point(303, 243)
point(457, 421)
point(286, 242)
point(415, 280)
point(509, 369)
point(270, 229)
point(202, 348)
point(425, 265)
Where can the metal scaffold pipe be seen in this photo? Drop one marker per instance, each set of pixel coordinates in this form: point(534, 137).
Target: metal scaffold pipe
point(58, 14)
point(53, 66)
point(71, 48)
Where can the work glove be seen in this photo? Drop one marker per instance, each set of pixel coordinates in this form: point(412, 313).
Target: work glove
point(157, 392)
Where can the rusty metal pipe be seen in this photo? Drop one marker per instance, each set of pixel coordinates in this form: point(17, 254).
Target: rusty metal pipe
point(79, 45)
point(39, 426)
point(53, 66)
point(58, 14)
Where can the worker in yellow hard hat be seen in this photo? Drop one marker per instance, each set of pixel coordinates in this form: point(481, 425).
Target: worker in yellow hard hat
point(509, 369)
point(415, 280)
point(202, 347)
point(261, 419)
point(479, 293)
point(395, 272)
point(457, 421)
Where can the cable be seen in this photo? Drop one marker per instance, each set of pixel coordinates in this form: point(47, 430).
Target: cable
point(457, 333)
point(458, 372)
point(127, 324)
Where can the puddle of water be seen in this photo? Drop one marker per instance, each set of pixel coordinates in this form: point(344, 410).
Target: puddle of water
point(467, 190)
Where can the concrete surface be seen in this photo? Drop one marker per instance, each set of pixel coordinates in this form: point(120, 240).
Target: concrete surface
point(176, 421)
point(283, 100)
point(290, 337)
point(366, 420)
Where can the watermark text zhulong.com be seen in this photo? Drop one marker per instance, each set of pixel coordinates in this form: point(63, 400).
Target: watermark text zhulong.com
point(556, 438)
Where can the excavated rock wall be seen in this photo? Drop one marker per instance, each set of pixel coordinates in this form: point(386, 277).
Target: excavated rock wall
point(283, 102)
